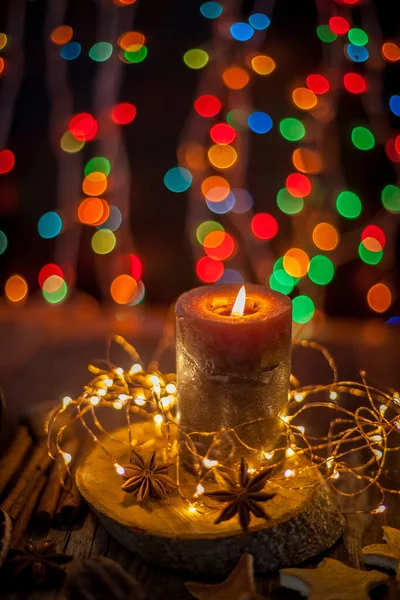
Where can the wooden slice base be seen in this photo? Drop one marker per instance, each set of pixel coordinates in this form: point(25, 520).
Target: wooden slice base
point(303, 523)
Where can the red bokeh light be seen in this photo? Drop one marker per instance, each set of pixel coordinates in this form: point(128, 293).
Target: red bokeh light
point(48, 271)
point(264, 226)
point(397, 144)
point(318, 84)
point(135, 266)
point(207, 106)
point(222, 133)
point(391, 150)
point(339, 25)
point(209, 270)
point(354, 83)
point(83, 127)
point(224, 250)
point(7, 161)
point(298, 185)
point(124, 113)
point(373, 231)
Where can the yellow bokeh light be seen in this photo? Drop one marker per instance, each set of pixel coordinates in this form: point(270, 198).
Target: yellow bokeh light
point(304, 98)
point(325, 236)
point(379, 297)
point(3, 40)
point(262, 64)
point(296, 262)
point(16, 288)
point(222, 157)
point(103, 241)
point(70, 144)
point(94, 184)
point(52, 284)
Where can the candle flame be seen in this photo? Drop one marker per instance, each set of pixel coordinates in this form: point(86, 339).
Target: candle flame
point(240, 302)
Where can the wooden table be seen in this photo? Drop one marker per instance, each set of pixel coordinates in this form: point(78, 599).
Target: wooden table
point(48, 357)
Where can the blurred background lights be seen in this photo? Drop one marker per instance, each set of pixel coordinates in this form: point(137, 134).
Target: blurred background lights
point(83, 127)
point(339, 25)
point(318, 84)
point(231, 276)
point(101, 51)
point(262, 64)
point(205, 228)
point(61, 35)
point(114, 219)
point(307, 160)
point(71, 50)
point(357, 53)
point(368, 256)
point(259, 21)
point(103, 241)
point(303, 309)
point(390, 51)
point(354, 83)
point(237, 117)
point(296, 262)
point(260, 122)
point(264, 226)
point(394, 104)
point(48, 271)
point(70, 144)
point(134, 54)
point(391, 198)
point(91, 211)
point(7, 161)
point(219, 245)
point(326, 34)
point(235, 78)
point(304, 98)
point(207, 106)
point(222, 157)
point(3, 41)
point(123, 289)
point(325, 236)
point(16, 288)
point(215, 188)
point(362, 138)
point(209, 270)
point(222, 133)
point(94, 184)
point(241, 31)
point(131, 41)
point(243, 201)
point(379, 297)
point(290, 205)
point(49, 225)
point(99, 164)
point(211, 10)
point(3, 242)
point(358, 37)
point(196, 58)
point(123, 113)
point(292, 130)
point(321, 270)
point(348, 205)
point(298, 185)
point(373, 238)
point(135, 266)
point(178, 179)
point(222, 207)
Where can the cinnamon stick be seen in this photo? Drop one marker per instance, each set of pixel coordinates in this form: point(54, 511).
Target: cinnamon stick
point(19, 495)
point(24, 518)
point(49, 500)
point(13, 457)
point(69, 506)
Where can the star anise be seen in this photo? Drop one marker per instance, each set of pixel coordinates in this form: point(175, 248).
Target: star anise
point(243, 496)
point(41, 562)
point(147, 479)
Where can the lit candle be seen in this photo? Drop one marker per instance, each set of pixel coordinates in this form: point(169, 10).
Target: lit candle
point(233, 361)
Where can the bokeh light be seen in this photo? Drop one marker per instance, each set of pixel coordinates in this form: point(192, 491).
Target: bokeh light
point(259, 21)
point(362, 138)
point(241, 31)
point(292, 130)
point(303, 309)
point(339, 25)
point(178, 179)
point(70, 144)
point(16, 288)
point(211, 10)
point(70, 51)
point(354, 83)
point(370, 258)
point(260, 122)
point(207, 106)
point(394, 104)
point(219, 245)
point(390, 51)
point(222, 157)
point(83, 127)
point(62, 35)
point(131, 41)
point(54, 289)
point(222, 133)
point(135, 266)
point(264, 226)
point(135, 55)
point(101, 51)
point(3, 41)
point(231, 276)
point(114, 219)
point(209, 270)
point(357, 53)
point(103, 241)
point(94, 184)
point(357, 36)
point(373, 238)
point(222, 207)
point(49, 270)
point(296, 262)
point(123, 113)
point(304, 98)
point(326, 34)
point(235, 78)
point(298, 185)
point(93, 211)
point(348, 204)
point(207, 227)
point(391, 198)
point(318, 84)
point(196, 58)
point(7, 161)
point(3, 242)
point(307, 160)
point(321, 270)
point(243, 201)
point(99, 164)
point(325, 236)
point(49, 225)
point(215, 188)
point(379, 297)
point(262, 64)
point(123, 289)
point(290, 205)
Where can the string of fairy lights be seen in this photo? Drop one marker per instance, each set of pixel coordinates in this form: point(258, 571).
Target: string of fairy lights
point(351, 450)
point(328, 218)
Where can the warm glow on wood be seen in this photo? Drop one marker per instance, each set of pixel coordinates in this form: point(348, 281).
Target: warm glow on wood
point(240, 302)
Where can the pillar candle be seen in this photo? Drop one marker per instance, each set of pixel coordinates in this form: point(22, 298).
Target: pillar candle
point(232, 367)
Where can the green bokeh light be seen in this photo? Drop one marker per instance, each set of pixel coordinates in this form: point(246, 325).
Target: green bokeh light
point(136, 57)
point(58, 295)
point(391, 197)
point(101, 51)
point(349, 205)
point(196, 58)
point(369, 257)
point(278, 284)
point(205, 228)
point(98, 164)
point(292, 130)
point(362, 138)
point(357, 36)
point(238, 119)
point(3, 242)
point(325, 34)
point(289, 204)
point(303, 309)
point(103, 241)
point(321, 270)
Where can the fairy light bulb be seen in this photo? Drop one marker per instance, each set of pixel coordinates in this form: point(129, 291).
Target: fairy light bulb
point(94, 400)
point(379, 510)
point(199, 490)
point(289, 452)
point(269, 455)
point(117, 405)
point(329, 462)
point(299, 397)
point(140, 400)
point(289, 473)
point(67, 457)
point(301, 429)
point(158, 419)
point(119, 371)
point(108, 382)
point(170, 388)
point(154, 379)
point(66, 401)
point(335, 475)
point(209, 464)
point(382, 409)
point(333, 395)
point(136, 368)
point(192, 509)
point(120, 470)
point(286, 418)
point(101, 392)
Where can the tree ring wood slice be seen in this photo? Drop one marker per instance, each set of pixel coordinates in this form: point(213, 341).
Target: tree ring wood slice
point(303, 523)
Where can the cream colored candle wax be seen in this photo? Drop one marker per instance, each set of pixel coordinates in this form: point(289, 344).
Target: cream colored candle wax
point(232, 367)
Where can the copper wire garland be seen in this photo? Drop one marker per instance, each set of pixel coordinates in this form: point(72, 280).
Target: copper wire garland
point(352, 455)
